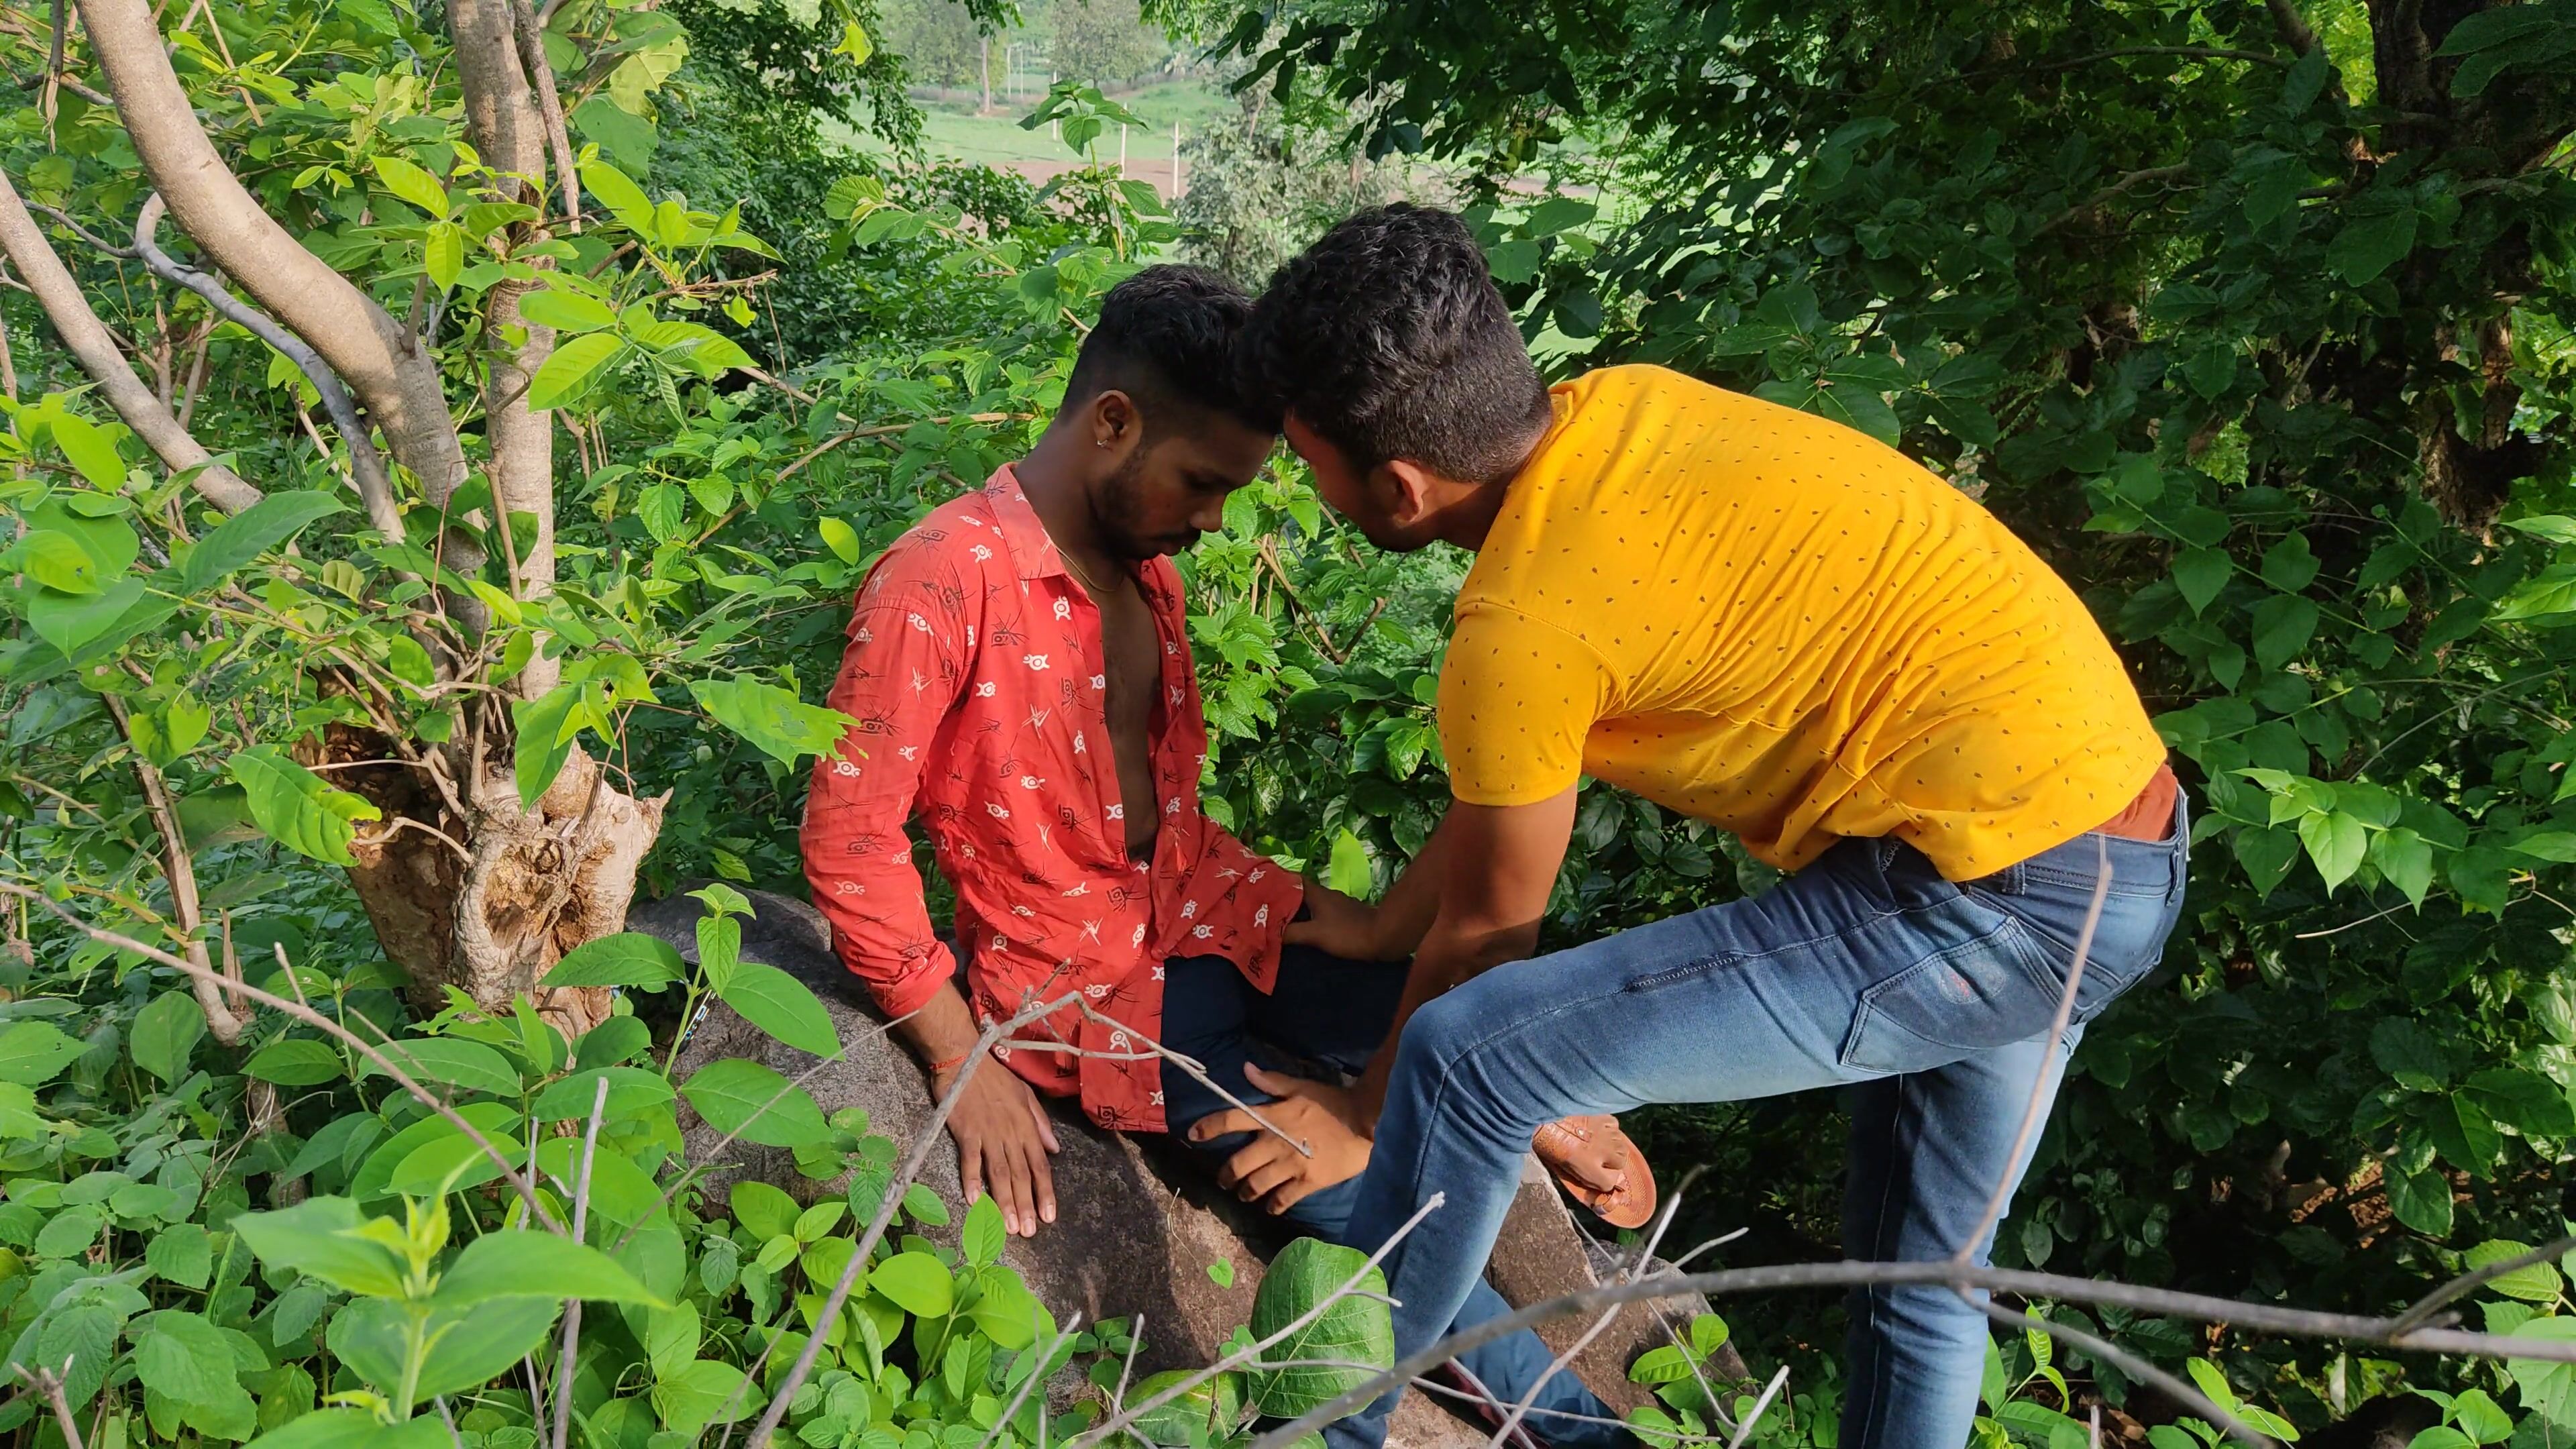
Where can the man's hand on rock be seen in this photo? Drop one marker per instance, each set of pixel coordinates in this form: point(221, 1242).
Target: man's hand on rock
point(1003, 1138)
point(1269, 1170)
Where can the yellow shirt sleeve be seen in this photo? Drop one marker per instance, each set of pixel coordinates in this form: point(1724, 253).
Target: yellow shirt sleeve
point(1517, 699)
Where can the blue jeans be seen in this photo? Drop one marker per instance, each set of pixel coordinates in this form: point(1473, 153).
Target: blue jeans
point(1865, 968)
point(1336, 1012)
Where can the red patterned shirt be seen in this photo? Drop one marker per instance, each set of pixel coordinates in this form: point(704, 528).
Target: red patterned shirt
point(974, 669)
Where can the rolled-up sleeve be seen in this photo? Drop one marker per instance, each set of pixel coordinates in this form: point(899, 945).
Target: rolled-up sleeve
point(899, 677)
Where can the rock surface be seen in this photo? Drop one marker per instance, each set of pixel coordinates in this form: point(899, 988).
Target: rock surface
point(1133, 1235)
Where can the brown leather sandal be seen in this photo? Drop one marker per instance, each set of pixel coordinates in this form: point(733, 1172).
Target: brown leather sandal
point(1629, 1205)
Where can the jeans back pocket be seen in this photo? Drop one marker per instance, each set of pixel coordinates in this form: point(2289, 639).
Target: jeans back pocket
point(1982, 993)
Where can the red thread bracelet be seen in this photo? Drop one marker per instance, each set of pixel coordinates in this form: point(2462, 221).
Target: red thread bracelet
point(953, 1063)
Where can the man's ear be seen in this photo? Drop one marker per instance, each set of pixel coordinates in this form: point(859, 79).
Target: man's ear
point(1114, 423)
point(1406, 491)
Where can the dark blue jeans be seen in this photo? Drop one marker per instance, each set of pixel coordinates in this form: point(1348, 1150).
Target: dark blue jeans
point(1865, 969)
point(1335, 1012)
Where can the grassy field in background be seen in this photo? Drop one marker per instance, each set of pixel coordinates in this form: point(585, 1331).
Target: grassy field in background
point(952, 129)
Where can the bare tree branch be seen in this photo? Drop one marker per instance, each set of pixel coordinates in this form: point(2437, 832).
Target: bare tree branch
point(2294, 28)
point(180, 870)
point(532, 58)
point(2198, 1307)
point(88, 339)
point(375, 488)
point(401, 388)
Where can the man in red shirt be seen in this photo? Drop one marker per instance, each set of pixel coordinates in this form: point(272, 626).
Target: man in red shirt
point(1021, 673)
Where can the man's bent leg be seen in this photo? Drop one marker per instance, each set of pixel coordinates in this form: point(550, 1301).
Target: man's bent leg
point(1927, 1152)
point(1866, 964)
point(1207, 1013)
point(1510, 1366)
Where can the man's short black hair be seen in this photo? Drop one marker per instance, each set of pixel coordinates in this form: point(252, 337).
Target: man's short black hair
point(1166, 337)
point(1388, 338)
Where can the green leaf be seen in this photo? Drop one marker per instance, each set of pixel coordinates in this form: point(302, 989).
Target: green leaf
point(1356, 1329)
point(70, 622)
point(442, 254)
point(567, 311)
point(613, 189)
point(2370, 245)
point(450, 1061)
point(2533, 1283)
point(762, 1209)
point(546, 727)
point(629, 958)
point(691, 1399)
point(2547, 1388)
point(840, 538)
point(296, 1062)
point(571, 370)
point(31, 1052)
point(2283, 624)
point(917, 1283)
point(166, 1033)
point(353, 1429)
point(1206, 1414)
point(2405, 859)
point(1348, 870)
point(2525, 1101)
point(522, 1263)
point(1556, 214)
point(2550, 845)
point(184, 1357)
point(412, 184)
point(2200, 573)
point(297, 808)
point(752, 1101)
point(56, 559)
point(181, 1254)
point(319, 1238)
point(2422, 1201)
point(774, 721)
point(924, 1205)
point(984, 1235)
point(631, 1090)
point(2289, 565)
point(2336, 842)
point(782, 1006)
point(91, 449)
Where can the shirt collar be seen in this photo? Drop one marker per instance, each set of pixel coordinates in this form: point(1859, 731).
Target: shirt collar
point(1033, 552)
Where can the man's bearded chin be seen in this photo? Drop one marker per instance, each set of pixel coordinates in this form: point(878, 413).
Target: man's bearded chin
point(1114, 508)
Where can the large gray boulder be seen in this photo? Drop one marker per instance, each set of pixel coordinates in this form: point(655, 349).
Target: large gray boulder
point(1135, 1232)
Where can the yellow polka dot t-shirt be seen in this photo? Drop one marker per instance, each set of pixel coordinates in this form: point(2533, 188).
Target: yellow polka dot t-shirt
point(1777, 624)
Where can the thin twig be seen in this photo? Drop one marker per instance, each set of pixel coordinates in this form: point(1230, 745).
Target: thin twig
point(1582, 1341)
point(921, 1146)
point(1744, 1426)
point(2138, 1368)
point(572, 1310)
point(1193, 1069)
point(2431, 1303)
point(2196, 1307)
point(2037, 1107)
point(1038, 1371)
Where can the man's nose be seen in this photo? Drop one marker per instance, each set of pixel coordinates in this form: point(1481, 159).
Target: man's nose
point(1210, 518)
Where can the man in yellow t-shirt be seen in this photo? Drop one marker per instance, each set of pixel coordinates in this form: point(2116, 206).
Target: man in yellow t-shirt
point(1772, 623)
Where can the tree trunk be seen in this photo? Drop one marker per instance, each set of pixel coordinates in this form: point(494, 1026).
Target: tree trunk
point(486, 905)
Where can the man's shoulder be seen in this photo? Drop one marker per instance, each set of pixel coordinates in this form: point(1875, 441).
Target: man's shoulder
point(955, 543)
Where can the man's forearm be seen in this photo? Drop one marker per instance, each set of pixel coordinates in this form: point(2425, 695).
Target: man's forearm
point(1405, 917)
point(943, 1031)
point(1448, 957)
